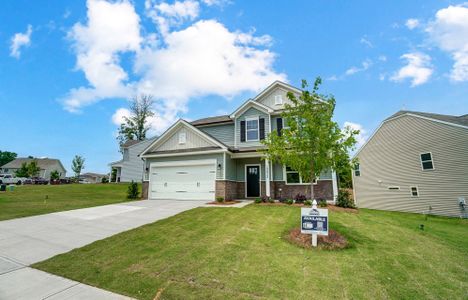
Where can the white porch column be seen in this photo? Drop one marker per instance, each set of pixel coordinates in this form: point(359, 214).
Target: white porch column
point(335, 186)
point(267, 178)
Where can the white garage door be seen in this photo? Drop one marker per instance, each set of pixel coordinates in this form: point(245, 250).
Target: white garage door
point(187, 182)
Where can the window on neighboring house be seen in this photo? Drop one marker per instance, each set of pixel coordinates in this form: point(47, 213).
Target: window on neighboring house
point(182, 137)
point(278, 99)
point(293, 177)
point(426, 161)
point(414, 191)
point(357, 170)
point(251, 129)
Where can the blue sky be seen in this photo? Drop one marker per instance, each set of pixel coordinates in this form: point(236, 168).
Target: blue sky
point(67, 67)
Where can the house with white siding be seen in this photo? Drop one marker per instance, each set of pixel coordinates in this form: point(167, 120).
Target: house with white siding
point(218, 156)
point(415, 162)
point(131, 166)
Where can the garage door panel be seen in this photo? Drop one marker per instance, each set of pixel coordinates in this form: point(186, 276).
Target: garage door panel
point(194, 182)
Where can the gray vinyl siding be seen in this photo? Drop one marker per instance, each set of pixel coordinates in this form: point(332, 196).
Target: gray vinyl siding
point(218, 156)
point(193, 140)
point(249, 161)
point(223, 133)
point(251, 112)
point(231, 168)
point(269, 99)
point(132, 165)
point(392, 158)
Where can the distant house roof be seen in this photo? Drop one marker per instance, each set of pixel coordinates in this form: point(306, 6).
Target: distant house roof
point(212, 120)
point(130, 143)
point(89, 174)
point(43, 163)
point(459, 120)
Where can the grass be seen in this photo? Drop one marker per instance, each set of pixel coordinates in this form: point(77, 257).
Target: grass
point(29, 200)
point(218, 253)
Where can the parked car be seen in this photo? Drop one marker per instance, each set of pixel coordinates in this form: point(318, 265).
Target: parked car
point(11, 179)
point(84, 181)
point(39, 180)
point(65, 180)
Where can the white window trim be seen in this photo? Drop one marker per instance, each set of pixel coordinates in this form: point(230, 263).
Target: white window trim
point(358, 169)
point(247, 130)
point(421, 161)
point(411, 191)
point(182, 138)
point(300, 178)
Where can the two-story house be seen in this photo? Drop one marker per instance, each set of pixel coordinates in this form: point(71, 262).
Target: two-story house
point(131, 166)
point(218, 156)
point(415, 162)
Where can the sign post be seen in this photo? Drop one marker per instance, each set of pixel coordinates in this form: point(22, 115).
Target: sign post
point(314, 221)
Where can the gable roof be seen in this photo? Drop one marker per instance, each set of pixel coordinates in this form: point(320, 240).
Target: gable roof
point(43, 163)
point(212, 120)
point(173, 128)
point(249, 103)
point(274, 85)
point(458, 120)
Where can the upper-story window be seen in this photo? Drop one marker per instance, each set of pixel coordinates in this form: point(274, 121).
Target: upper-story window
point(251, 129)
point(182, 137)
point(426, 161)
point(278, 99)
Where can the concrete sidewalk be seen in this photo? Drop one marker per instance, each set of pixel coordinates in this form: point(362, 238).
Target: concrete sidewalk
point(25, 241)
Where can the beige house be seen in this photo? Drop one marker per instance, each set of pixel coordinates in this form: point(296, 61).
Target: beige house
point(46, 166)
point(415, 162)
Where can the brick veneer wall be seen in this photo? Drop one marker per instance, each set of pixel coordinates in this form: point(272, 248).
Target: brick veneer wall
point(226, 189)
point(144, 190)
point(322, 190)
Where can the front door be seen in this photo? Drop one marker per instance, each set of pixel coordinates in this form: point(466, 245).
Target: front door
point(253, 181)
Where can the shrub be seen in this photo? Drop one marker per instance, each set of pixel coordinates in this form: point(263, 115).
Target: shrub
point(300, 198)
point(132, 191)
point(219, 199)
point(289, 201)
point(265, 199)
point(322, 203)
point(308, 202)
point(104, 180)
point(258, 200)
point(344, 199)
point(271, 200)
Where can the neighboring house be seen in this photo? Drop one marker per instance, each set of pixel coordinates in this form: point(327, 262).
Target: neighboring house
point(415, 162)
point(130, 167)
point(46, 165)
point(218, 156)
point(93, 177)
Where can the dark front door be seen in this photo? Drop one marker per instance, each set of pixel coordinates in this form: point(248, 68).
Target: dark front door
point(253, 181)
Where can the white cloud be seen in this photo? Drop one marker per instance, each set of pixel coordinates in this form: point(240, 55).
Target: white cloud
point(363, 135)
point(383, 58)
point(449, 31)
point(366, 42)
point(418, 69)
point(174, 65)
point(118, 116)
point(112, 29)
point(364, 66)
point(20, 40)
point(412, 23)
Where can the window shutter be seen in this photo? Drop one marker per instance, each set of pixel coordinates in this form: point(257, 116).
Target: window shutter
point(261, 125)
point(279, 125)
point(242, 131)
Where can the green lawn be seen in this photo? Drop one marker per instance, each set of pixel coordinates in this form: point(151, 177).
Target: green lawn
point(31, 200)
point(229, 253)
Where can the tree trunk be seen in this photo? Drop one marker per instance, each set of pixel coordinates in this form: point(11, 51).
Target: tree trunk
point(312, 177)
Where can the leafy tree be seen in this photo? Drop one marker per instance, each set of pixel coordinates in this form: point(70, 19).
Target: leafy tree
point(311, 141)
point(78, 165)
point(136, 125)
point(33, 168)
point(6, 157)
point(23, 171)
point(114, 175)
point(55, 175)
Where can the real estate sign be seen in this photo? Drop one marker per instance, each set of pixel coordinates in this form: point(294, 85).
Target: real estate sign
point(314, 221)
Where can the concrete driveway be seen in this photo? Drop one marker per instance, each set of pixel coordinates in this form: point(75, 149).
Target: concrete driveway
point(25, 241)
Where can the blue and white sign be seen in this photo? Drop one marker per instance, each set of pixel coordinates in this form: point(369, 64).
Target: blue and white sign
point(314, 221)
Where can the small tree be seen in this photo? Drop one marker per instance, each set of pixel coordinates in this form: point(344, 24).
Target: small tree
point(78, 165)
point(311, 141)
point(23, 171)
point(55, 175)
point(113, 175)
point(136, 125)
point(33, 168)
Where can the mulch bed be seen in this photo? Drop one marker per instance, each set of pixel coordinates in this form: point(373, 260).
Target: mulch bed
point(224, 203)
point(330, 207)
point(334, 240)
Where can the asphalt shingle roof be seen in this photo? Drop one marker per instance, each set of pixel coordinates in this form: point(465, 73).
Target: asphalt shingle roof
point(459, 120)
point(212, 120)
point(43, 163)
